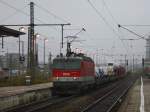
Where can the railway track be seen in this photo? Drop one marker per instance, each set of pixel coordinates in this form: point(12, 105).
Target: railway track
point(37, 106)
point(111, 99)
point(78, 105)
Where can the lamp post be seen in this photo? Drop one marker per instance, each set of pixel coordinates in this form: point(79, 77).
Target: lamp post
point(22, 57)
point(45, 40)
point(37, 35)
point(133, 64)
point(21, 29)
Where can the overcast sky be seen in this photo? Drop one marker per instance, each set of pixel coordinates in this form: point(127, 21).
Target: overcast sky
point(101, 26)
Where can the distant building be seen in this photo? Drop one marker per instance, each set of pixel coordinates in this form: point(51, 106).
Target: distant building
point(11, 61)
point(3, 62)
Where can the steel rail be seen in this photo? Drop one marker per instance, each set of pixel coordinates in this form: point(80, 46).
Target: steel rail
point(47, 104)
point(35, 106)
point(109, 95)
point(97, 101)
point(120, 97)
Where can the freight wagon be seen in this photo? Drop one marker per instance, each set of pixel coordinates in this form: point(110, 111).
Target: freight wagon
point(147, 67)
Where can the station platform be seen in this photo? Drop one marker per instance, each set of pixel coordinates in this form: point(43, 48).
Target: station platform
point(138, 97)
point(20, 95)
point(14, 90)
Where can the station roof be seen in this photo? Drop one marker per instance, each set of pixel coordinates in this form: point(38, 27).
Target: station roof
point(4, 32)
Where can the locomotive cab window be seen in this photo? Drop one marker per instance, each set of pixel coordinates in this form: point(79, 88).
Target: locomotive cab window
point(67, 64)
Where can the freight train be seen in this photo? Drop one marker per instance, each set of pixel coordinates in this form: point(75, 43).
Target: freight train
point(76, 73)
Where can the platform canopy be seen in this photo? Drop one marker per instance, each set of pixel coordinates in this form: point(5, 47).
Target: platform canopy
point(5, 32)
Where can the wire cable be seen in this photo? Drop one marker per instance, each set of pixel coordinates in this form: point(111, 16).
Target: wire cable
point(19, 10)
point(137, 25)
point(50, 13)
point(11, 15)
point(109, 12)
point(105, 21)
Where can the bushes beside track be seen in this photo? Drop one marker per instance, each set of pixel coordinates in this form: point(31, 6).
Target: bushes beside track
point(21, 80)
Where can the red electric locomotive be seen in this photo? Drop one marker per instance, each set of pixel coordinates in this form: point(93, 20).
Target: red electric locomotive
point(73, 73)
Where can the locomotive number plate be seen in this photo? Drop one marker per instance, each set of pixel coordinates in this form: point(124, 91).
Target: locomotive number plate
point(66, 74)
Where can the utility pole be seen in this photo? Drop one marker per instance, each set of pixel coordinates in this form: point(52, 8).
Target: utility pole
point(22, 47)
point(45, 66)
point(50, 63)
point(36, 54)
point(97, 59)
point(21, 51)
point(125, 58)
point(19, 56)
point(28, 60)
point(7, 59)
point(32, 59)
point(133, 64)
point(44, 52)
point(62, 31)
point(126, 62)
point(143, 60)
point(2, 42)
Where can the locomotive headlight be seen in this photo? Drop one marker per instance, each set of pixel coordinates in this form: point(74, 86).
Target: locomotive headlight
point(57, 78)
point(75, 78)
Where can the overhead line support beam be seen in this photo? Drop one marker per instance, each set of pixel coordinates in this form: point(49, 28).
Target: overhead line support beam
point(33, 25)
point(141, 37)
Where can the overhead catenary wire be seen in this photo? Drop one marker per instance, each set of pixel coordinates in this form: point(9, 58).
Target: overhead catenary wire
point(105, 21)
point(71, 29)
point(53, 14)
point(11, 15)
point(108, 10)
point(50, 13)
point(19, 10)
point(136, 25)
point(100, 15)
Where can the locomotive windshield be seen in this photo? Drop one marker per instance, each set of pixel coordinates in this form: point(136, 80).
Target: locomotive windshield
point(66, 64)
